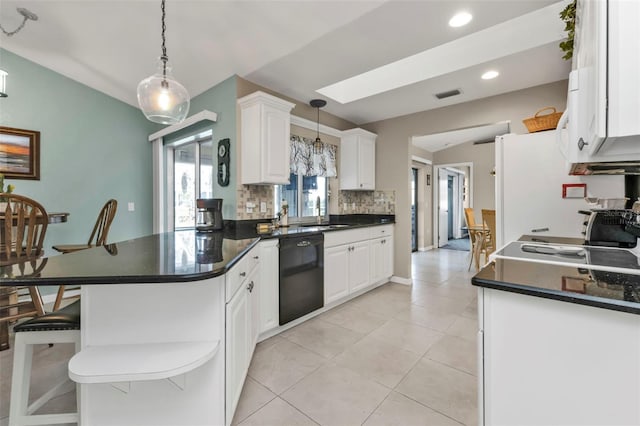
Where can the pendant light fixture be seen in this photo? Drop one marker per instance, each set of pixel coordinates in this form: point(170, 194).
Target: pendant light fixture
point(318, 145)
point(161, 98)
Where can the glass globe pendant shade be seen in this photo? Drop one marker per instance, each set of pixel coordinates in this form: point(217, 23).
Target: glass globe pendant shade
point(161, 98)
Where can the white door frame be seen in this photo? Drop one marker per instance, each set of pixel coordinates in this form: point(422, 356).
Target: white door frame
point(436, 192)
point(421, 164)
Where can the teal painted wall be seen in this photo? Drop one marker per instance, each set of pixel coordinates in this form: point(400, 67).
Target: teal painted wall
point(92, 148)
point(221, 99)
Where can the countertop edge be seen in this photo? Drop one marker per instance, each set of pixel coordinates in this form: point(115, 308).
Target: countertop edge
point(576, 298)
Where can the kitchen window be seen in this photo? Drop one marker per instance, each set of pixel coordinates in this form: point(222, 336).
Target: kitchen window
point(308, 182)
point(302, 195)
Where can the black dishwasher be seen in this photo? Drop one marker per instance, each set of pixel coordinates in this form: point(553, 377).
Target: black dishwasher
point(301, 276)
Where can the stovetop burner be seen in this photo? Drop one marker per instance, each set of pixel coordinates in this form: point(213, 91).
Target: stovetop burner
point(589, 257)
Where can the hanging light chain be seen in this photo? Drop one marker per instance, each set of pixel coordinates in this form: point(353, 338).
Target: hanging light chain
point(26, 15)
point(164, 58)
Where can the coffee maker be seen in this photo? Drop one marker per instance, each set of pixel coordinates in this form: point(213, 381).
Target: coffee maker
point(209, 214)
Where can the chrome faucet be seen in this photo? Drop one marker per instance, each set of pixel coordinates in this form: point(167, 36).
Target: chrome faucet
point(319, 218)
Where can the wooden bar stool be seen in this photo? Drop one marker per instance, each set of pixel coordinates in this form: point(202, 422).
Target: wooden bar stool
point(62, 326)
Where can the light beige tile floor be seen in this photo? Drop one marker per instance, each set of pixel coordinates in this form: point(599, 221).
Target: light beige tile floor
point(398, 355)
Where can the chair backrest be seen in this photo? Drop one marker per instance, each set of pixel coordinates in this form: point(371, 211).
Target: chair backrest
point(489, 220)
point(24, 225)
point(468, 215)
point(103, 223)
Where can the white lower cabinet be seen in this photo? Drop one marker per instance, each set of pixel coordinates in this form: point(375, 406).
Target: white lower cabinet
point(242, 316)
point(346, 270)
point(359, 266)
point(381, 259)
point(237, 348)
point(356, 259)
point(336, 273)
point(269, 288)
point(550, 362)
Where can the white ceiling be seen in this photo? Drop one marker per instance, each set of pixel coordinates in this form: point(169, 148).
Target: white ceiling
point(296, 47)
point(479, 134)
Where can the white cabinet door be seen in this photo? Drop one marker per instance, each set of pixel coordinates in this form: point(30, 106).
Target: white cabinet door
point(387, 258)
point(275, 158)
point(358, 266)
point(252, 285)
point(381, 259)
point(357, 160)
point(269, 280)
point(237, 348)
point(377, 259)
point(367, 163)
point(264, 139)
point(336, 273)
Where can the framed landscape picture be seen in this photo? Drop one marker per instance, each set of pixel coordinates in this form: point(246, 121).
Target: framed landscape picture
point(19, 153)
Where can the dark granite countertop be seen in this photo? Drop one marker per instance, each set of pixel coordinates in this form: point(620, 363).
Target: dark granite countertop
point(601, 289)
point(247, 228)
point(169, 257)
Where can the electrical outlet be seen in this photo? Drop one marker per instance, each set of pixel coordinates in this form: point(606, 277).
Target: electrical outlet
point(263, 207)
point(131, 206)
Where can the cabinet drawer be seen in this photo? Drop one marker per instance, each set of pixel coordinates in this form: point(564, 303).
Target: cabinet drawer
point(336, 238)
point(239, 273)
point(381, 231)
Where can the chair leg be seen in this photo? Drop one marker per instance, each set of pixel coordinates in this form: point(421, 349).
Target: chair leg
point(59, 297)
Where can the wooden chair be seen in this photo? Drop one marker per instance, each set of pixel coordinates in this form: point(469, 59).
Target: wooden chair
point(23, 225)
point(489, 221)
point(471, 222)
point(98, 237)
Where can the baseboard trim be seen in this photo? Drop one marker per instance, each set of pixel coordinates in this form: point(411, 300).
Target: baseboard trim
point(400, 280)
point(427, 248)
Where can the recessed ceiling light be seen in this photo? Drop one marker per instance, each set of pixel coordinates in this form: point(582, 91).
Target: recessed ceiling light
point(460, 19)
point(490, 74)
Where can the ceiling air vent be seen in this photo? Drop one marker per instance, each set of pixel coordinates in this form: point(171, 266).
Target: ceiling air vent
point(448, 94)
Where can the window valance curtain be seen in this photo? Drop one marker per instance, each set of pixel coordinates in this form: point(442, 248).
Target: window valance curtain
point(304, 162)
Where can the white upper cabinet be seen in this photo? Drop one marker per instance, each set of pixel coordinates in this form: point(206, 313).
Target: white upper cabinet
point(358, 160)
point(604, 89)
point(265, 123)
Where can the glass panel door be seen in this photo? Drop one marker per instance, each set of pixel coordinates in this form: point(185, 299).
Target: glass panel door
point(184, 190)
point(193, 178)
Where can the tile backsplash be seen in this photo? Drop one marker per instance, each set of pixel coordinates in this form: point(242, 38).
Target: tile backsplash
point(349, 202)
point(367, 202)
point(255, 194)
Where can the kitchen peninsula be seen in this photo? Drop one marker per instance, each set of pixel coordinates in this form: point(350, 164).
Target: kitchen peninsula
point(558, 344)
point(170, 321)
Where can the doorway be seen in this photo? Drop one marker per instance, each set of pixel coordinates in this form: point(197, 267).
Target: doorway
point(452, 194)
point(189, 177)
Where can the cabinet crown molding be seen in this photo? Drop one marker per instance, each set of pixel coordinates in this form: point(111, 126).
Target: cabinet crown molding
point(260, 97)
point(359, 132)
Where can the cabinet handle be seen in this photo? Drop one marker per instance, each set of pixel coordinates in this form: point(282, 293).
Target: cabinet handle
point(256, 257)
point(243, 274)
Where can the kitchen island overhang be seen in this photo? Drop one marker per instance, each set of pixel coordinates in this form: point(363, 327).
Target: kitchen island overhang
point(153, 326)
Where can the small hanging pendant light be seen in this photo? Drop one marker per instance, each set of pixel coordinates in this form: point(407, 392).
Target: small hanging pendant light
point(161, 98)
point(318, 145)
